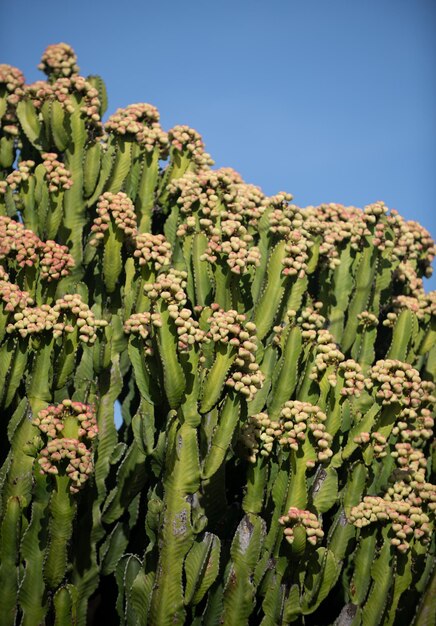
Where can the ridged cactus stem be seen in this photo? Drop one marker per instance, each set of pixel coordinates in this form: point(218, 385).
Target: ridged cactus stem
point(19, 473)
point(112, 261)
point(39, 388)
point(181, 481)
point(287, 378)
point(174, 378)
point(212, 387)
point(427, 606)
point(365, 273)
point(64, 602)
point(202, 280)
point(145, 200)
point(297, 492)
point(381, 574)
point(62, 509)
point(142, 301)
point(66, 360)
point(15, 362)
point(272, 295)
point(190, 365)
point(33, 596)
point(223, 291)
point(401, 336)
point(10, 532)
point(343, 284)
point(74, 215)
point(257, 475)
point(222, 437)
point(362, 569)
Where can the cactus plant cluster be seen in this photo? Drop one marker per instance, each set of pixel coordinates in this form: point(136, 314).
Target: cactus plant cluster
point(274, 368)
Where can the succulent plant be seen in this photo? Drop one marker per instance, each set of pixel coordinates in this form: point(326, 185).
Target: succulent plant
point(218, 407)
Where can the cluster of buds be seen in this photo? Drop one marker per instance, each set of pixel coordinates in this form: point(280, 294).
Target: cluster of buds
point(15, 240)
point(411, 484)
point(328, 356)
point(395, 381)
point(52, 420)
point(405, 273)
point(413, 242)
point(282, 216)
point(62, 90)
point(76, 456)
point(299, 419)
point(57, 175)
point(377, 440)
point(186, 139)
point(367, 319)
point(152, 249)
point(248, 202)
point(303, 519)
point(116, 206)
point(409, 458)
point(40, 91)
point(12, 297)
point(188, 329)
point(296, 251)
point(334, 224)
point(89, 96)
point(428, 303)
point(259, 435)
point(59, 60)
point(55, 261)
point(374, 211)
point(21, 243)
point(236, 252)
point(33, 320)
point(169, 286)
point(415, 492)
point(231, 328)
point(422, 304)
point(311, 322)
point(67, 428)
point(296, 421)
point(12, 81)
point(209, 192)
point(195, 191)
point(374, 215)
point(72, 305)
point(407, 521)
point(414, 426)
point(140, 324)
point(139, 122)
point(354, 380)
point(17, 177)
point(217, 202)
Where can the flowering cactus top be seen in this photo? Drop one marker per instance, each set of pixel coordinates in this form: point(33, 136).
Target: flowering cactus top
point(59, 60)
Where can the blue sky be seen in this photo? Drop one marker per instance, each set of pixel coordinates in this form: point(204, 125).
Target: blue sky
point(333, 101)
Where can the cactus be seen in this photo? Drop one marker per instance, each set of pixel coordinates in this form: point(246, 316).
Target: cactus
point(272, 370)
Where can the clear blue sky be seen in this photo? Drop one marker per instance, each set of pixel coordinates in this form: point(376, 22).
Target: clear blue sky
point(331, 100)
